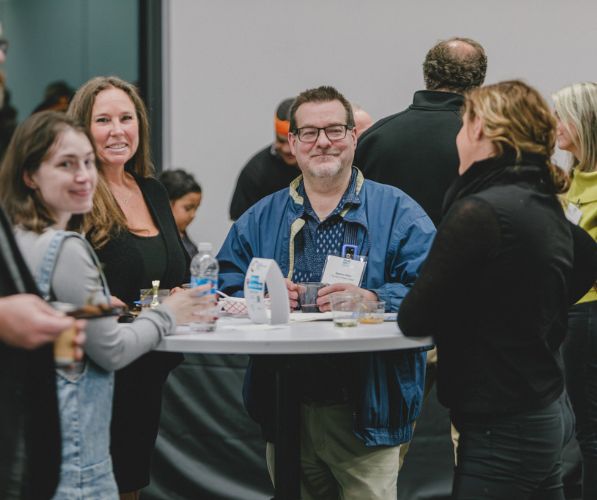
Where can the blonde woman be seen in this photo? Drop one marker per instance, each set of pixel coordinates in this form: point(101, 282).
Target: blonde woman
point(576, 114)
point(494, 293)
point(134, 234)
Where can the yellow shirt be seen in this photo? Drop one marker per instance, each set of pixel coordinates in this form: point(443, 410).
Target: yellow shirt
point(583, 194)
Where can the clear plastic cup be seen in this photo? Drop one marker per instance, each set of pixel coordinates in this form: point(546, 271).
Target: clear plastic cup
point(346, 309)
point(307, 292)
point(372, 312)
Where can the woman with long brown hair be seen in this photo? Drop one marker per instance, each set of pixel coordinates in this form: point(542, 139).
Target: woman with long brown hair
point(47, 181)
point(494, 292)
point(134, 234)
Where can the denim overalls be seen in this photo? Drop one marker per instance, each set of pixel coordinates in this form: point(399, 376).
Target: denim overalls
point(85, 402)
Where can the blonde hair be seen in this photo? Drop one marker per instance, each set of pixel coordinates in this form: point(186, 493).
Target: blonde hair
point(106, 218)
point(515, 116)
point(576, 107)
point(32, 143)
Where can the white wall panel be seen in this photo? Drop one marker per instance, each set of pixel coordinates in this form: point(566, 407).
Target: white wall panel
point(231, 61)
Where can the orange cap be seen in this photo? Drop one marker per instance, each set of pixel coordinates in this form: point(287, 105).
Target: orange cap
point(282, 126)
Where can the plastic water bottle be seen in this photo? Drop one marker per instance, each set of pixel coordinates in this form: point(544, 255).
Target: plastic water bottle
point(204, 270)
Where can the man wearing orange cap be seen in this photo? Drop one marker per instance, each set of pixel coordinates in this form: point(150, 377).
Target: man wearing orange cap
point(271, 169)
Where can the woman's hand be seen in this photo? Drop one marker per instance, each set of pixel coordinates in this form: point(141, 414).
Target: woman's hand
point(193, 304)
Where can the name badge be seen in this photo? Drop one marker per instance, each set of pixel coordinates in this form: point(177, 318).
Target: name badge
point(573, 213)
point(342, 270)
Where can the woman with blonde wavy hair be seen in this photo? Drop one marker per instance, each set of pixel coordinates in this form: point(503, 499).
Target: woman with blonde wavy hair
point(576, 114)
point(134, 235)
point(494, 292)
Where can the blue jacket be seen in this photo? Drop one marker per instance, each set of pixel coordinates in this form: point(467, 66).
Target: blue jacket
point(395, 234)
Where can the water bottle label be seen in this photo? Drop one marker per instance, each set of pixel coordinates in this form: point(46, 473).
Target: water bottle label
point(197, 281)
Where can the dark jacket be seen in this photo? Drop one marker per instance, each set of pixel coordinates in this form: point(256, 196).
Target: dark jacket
point(496, 288)
point(415, 150)
point(138, 387)
point(265, 173)
point(29, 424)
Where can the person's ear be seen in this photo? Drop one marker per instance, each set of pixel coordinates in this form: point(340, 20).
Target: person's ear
point(292, 142)
point(477, 127)
point(28, 180)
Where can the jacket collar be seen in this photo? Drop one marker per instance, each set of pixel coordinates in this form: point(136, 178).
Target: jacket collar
point(296, 190)
point(434, 100)
point(529, 169)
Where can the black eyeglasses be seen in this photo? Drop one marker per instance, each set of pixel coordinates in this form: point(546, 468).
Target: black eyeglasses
point(310, 135)
point(4, 45)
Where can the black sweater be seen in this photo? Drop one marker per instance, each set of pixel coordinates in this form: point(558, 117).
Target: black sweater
point(496, 288)
point(138, 387)
point(415, 150)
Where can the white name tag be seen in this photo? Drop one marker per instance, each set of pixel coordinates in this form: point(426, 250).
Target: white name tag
point(340, 270)
point(573, 213)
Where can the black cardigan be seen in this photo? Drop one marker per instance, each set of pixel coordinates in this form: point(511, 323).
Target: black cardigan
point(138, 387)
point(496, 288)
point(29, 423)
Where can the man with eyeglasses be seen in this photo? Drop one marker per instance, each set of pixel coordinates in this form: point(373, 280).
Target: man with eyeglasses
point(356, 408)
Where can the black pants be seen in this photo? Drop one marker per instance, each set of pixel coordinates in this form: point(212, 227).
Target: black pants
point(579, 351)
point(514, 457)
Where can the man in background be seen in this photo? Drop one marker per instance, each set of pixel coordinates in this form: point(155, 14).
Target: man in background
point(362, 119)
point(271, 169)
point(415, 150)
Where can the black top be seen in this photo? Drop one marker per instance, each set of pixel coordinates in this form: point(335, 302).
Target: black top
point(29, 423)
point(153, 253)
point(415, 150)
point(496, 288)
point(138, 387)
point(264, 174)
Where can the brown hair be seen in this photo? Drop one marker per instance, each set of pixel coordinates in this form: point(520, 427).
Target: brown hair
point(516, 117)
point(106, 218)
point(454, 69)
point(31, 144)
point(320, 94)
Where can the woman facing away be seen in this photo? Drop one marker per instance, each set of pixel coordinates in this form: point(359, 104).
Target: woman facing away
point(185, 197)
point(494, 292)
point(47, 179)
point(133, 232)
point(576, 114)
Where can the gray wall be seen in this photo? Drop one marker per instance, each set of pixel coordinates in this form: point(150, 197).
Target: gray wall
point(70, 40)
point(231, 61)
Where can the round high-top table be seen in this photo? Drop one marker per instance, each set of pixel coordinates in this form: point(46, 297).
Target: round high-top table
point(240, 336)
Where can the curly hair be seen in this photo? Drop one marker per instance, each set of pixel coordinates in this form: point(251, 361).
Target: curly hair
point(515, 116)
point(455, 67)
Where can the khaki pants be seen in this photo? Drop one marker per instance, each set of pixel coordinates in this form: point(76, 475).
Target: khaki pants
point(335, 464)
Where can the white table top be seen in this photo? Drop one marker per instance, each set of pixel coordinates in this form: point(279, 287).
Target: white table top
point(240, 336)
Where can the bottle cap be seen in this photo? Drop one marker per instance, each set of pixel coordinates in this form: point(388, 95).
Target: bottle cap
point(204, 247)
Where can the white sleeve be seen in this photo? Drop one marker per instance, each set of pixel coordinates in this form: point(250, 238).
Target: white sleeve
point(110, 344)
